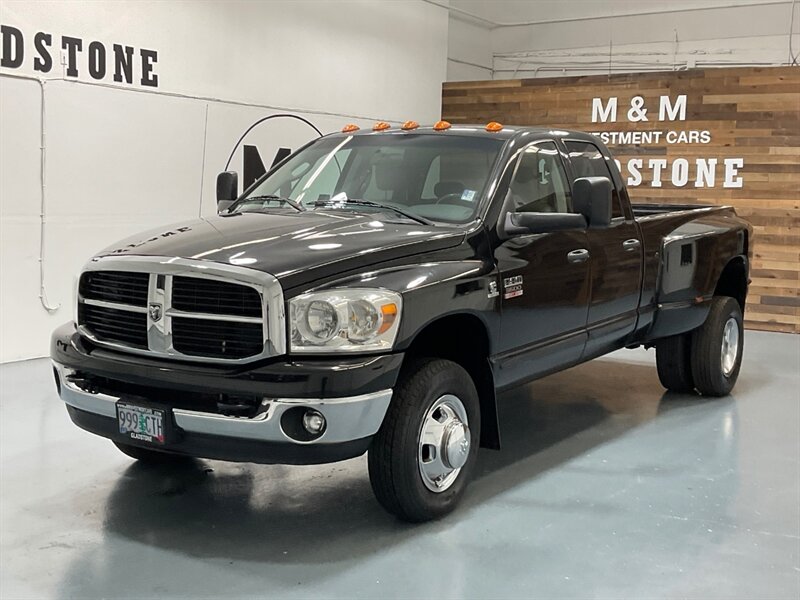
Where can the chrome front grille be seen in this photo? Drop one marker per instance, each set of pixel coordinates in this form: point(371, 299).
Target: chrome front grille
point(181, 308)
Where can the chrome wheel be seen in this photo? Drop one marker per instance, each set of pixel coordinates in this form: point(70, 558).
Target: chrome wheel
point(730, 346)
point(444, 443)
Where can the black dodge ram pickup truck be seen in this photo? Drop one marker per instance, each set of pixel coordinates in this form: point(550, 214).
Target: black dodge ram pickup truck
point(375, 290)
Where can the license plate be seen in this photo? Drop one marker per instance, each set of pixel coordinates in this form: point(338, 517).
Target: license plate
point(141, 423)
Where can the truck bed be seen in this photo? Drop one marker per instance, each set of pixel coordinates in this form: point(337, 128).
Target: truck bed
point(649, 210)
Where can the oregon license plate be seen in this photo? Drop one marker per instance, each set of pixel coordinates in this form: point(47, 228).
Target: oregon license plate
point(141, 423)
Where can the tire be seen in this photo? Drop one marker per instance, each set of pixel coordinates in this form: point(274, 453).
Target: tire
point(154, 457)
point(674, 365)
point(714, 369)
point(430, 392)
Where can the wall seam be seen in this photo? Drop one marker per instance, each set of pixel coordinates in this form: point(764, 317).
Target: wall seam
point(203, 98)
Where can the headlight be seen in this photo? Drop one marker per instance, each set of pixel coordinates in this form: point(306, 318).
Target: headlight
point(351, 320)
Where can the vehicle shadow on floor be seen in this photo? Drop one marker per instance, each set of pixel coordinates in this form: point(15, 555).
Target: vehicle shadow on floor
point(564, 416)
point(325, 515)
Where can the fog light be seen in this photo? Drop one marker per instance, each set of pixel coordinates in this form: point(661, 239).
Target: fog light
point(313, 421)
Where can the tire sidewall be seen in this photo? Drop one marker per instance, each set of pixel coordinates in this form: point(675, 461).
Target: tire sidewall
point(724, 383)
point(736, 313)
point(456, 381)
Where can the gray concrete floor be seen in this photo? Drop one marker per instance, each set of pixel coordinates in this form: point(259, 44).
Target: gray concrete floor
point(606, 488)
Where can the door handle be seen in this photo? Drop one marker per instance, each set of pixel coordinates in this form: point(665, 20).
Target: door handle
point(631, 245)
point(578, 256)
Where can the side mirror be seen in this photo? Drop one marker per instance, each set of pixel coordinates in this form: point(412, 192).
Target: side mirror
point(523, 223)
point(591, 197)
point(227, 189)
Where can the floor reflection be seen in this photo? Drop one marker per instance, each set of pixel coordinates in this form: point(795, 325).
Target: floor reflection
point(324, 515)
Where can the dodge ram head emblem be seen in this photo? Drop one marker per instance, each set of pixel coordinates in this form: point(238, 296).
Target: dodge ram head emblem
point(155, 312)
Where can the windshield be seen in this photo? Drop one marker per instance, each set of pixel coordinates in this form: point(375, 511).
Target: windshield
point(436, 177)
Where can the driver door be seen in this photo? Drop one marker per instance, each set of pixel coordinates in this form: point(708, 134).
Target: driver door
point(545, 277)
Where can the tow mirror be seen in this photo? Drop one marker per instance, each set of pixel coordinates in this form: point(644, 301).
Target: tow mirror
point(522, 223)
point(591, 197)
point(227, 189)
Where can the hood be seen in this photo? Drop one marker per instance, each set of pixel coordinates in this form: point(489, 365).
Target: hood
point(297, 246)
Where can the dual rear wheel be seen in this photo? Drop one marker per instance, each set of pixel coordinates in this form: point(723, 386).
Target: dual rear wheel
point(708, 359)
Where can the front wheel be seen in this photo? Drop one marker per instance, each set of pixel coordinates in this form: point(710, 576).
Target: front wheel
point(717, 348)
point(422, 458)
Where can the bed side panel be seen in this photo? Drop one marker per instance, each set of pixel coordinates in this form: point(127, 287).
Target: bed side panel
point(685, 254)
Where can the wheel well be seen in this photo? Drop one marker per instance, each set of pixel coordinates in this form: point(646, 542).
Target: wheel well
point(463, 339)
point(733, 281)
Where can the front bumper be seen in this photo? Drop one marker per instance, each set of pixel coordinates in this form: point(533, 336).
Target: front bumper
point(266, 437)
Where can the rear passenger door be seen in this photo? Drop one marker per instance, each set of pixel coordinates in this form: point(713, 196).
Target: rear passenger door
point(616, 259)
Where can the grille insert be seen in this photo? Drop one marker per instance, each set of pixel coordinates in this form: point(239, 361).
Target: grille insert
point(193, 294)
point(218, 339)
point(114, 325)
point(120, 287)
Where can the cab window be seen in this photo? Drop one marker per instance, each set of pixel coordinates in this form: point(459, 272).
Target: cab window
point(438, 177)
point(539, 183)
point(588, 161)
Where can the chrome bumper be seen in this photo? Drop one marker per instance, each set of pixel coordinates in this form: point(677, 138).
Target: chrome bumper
point(349, 418)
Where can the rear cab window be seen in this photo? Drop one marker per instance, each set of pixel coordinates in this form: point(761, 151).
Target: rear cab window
point(588, 161)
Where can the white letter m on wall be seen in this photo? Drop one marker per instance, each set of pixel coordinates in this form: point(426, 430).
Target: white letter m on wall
point(601, 113)
point(666, 110)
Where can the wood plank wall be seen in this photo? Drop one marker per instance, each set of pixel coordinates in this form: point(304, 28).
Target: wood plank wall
point(748, 113)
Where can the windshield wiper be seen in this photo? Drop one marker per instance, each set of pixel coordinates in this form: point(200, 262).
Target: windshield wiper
point(273, 198)
point(371, 204)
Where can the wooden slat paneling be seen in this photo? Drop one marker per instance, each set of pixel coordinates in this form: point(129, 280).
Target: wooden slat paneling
point(749, 113)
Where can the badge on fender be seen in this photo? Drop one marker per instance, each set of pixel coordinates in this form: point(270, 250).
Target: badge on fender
point(512, 287)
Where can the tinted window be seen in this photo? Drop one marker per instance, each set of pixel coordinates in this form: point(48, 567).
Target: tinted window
point(440, 177)
point(539, 183)
point(588, 161)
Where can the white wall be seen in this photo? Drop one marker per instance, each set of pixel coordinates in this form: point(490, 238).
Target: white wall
point(583, 37)
point(469, 50)
point(121, 158)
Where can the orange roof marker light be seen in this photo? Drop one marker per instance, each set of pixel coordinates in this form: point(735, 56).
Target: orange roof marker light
point(494, 126)
point(381, 126)
point(442, 126)
point(408, 125)
point(350, 128)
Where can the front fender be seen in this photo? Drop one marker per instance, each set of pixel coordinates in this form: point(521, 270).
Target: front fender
point(433, 290)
